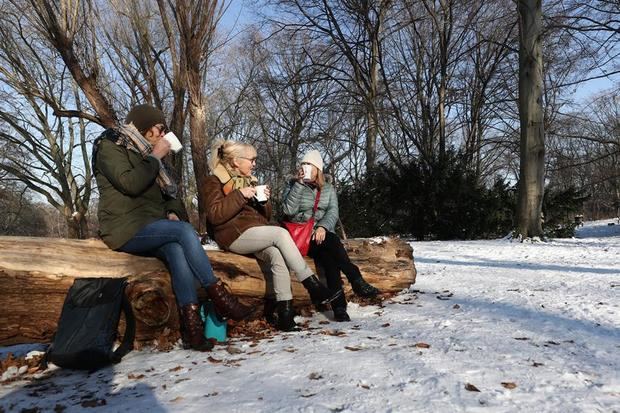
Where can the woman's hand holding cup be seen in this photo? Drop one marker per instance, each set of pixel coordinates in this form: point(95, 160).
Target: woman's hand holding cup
point(161, 148)
point(248, 192)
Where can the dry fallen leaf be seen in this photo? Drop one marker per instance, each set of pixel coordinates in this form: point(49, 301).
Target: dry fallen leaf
point(352, 348)
point(535, 364)
point(323, 322)
point(456, 306)
point(521, 338)
point(213, 360)
point(315, 376)
point(385, 325)
point(471, 387)
point(422, 345)
point(176, 399)
point(132, 376)
point(509, 385)
point(177, 368)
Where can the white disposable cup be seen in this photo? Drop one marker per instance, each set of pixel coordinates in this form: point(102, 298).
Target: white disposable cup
point(307, 172)
point(260, 193)
point(175, 143)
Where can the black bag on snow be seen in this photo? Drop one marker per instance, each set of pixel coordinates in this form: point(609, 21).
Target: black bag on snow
point(88, 324)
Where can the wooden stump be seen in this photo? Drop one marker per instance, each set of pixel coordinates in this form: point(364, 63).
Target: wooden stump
point(37, 272)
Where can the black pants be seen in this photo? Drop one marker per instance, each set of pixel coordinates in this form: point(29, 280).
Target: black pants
point(331, 256)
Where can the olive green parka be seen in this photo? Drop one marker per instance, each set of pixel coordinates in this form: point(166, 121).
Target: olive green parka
point(129, 196)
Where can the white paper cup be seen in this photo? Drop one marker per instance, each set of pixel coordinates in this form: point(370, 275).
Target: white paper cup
point(175, 144)
point(260, 193)
point(307, 172)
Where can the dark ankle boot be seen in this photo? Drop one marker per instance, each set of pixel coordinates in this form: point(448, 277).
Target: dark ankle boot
point(339, 306)
point(319, 294)
point(286, 316)
point(226, 304)
point(363, 289)
point(192, 329)
point(269, 310)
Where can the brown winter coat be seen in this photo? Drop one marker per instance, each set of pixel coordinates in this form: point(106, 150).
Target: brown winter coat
point(228, 216)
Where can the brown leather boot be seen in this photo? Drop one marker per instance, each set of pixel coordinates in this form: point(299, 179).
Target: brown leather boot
point(226, 304)
point(192, 329)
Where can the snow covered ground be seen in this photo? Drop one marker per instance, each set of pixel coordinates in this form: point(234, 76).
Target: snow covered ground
point(493, 326)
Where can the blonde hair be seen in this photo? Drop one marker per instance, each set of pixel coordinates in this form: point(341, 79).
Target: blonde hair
point(225, 151)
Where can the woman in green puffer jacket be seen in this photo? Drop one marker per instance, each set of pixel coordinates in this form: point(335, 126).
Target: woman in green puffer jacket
point(325, 247)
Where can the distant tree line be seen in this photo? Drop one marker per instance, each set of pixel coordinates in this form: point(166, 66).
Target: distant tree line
point(415, 104)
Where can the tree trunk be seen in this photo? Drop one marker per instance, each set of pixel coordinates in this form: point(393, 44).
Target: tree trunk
point(200, 144)
point(77, 226)
point(37, 272)
point(532, 156)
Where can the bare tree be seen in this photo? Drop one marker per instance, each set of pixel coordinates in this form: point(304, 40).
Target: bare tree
point(196, 22)
point(20, 215)
point(532, 173)
point(354, 29)
point(143, 49)
point(67, 27)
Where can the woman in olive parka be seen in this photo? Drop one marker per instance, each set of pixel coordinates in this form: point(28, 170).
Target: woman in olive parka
point(139, 213)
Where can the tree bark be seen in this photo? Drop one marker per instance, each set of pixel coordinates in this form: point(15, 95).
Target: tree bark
point(532, 153)
point(200, 143)
point(37, 272)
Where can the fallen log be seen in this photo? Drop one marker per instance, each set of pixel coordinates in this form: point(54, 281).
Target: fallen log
point(35, 274)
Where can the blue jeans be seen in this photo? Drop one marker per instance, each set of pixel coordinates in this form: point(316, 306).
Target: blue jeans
point(176, 243)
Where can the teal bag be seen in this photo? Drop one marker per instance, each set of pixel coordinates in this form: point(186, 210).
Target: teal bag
point(215, 326)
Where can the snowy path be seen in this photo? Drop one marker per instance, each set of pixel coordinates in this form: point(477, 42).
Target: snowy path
point(543, 319)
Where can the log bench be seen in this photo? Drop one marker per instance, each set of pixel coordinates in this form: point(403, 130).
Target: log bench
point(36, 273)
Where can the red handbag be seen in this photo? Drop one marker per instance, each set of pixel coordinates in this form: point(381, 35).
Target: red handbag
point(301, 232)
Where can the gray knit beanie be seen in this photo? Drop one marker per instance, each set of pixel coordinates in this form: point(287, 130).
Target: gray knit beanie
point(145, 117)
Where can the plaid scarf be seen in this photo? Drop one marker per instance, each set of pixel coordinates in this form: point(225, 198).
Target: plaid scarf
point(132, 139)
point(232, 180)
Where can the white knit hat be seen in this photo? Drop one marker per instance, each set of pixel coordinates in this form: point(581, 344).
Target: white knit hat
point(313, 157)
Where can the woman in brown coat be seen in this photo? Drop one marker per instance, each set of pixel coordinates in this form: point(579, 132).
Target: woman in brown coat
point(240, 223)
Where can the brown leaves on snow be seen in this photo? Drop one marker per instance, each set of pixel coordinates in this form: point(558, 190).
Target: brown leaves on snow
point(471, 387)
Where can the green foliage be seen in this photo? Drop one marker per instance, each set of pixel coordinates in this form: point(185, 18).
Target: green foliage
point(436, 200)
point(559, 208)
